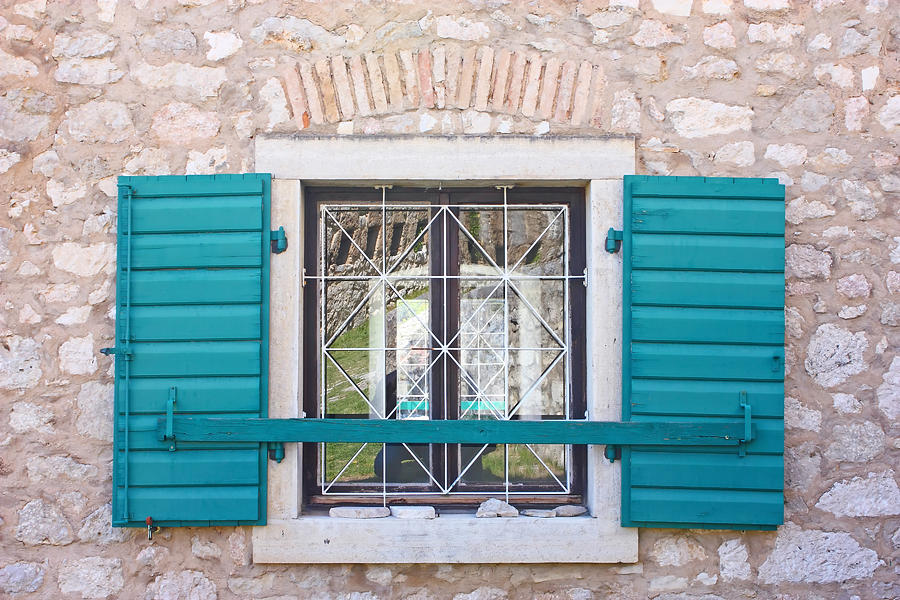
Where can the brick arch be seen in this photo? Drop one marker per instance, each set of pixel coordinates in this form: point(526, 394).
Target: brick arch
point(443, 76)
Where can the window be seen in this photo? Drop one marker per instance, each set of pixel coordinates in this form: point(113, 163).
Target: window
point(683, 332)
point(444, 304)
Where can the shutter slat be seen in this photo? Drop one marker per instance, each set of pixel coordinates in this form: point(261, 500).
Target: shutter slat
point(706, 471)
point(197, 395)
point(225, 213)
point(705, 397)
point(706, 361)
point(195, 359)
point(716, 509)
point(705, 288)
point(196, 286)
point(193, 506)
point(707, 252)
point(706, 215)
point(195, 322)
point(711, 325)
point(192, 310)
point(704, 330)
point(194, 468)
point(196, 250)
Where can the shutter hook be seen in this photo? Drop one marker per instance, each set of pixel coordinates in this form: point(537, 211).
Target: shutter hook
point(150, 528)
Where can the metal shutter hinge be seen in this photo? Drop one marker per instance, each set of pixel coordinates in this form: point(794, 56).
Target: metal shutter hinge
point(276, 451)
point(613, 240)
point(278, 240)
point(125, 352)
point(613, 453)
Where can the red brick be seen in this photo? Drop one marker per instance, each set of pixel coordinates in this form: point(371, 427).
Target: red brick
point(295, 94)
point(564, 94)
point(425, 86)
point(342, 86)
point(358, 75)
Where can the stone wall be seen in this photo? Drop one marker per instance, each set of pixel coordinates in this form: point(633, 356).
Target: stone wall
point(803, 91)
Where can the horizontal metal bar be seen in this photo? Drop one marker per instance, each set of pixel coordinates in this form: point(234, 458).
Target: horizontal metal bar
point(410, 431)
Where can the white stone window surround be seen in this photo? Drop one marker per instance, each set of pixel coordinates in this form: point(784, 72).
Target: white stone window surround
point(598, 164)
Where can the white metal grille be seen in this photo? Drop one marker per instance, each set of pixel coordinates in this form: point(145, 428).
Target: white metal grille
point(510, 347)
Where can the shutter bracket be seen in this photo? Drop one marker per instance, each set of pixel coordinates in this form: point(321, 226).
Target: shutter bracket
point(613, 453)
point(278, 240)
point(748, 429)
point(613, 240)
point(276, 451)
point(170, 417)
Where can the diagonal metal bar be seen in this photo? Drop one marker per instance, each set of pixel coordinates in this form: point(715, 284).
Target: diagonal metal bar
point(537, 382)
point(339, 330)
point(477, 244)
point(349, 462)
point(536, 313)
point(352, 241)
point(535, 242)
point(468, 466)
point(412, 245)
point(424, 468)
point(353, 383)
point(543, 464)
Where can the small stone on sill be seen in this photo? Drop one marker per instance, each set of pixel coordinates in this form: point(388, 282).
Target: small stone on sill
point(413, 512)
point(492, 507)
point(540, 513)
point(569, 510)
point(359, 512)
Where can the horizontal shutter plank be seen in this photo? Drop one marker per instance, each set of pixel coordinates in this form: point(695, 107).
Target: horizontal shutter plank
point(707, 471)
point(195, 322)
point(706, 361)
point(196, 395)
point(187, 250)
point(768, 435)
point(768, 189)
point(712, 325)
point(705, 397)
point(196, 503)
point(720, 507)
point(194, 467)
point(707, 252)
point(195, 359)
point(707, 288)
point(707, 216)
point(221, 213)
point(196, 286)
point(161, 186)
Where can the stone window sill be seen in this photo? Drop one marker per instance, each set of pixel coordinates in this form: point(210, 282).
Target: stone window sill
point(446, 539)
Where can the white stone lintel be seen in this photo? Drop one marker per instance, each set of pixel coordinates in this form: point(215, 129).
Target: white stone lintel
point(469, 160)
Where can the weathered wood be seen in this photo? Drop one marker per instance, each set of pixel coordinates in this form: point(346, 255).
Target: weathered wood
point(453, 432)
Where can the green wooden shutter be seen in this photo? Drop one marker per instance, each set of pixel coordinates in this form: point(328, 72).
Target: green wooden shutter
point(704, 330)
point(192, 297)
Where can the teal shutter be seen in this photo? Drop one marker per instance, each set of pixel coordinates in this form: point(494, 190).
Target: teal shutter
point(192, 297)
point(704, 334)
